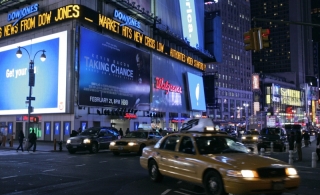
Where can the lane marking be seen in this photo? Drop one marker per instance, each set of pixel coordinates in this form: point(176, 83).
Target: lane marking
point(48, 170)
point(190, 191)
point(9, 177)
point(80, 165)
point(166, 192)
point(181, 193)
point(50, 159)
point(103, 161)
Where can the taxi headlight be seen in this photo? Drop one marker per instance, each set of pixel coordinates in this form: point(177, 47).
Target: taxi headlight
point(255, 138)
point(242, 173)
point(68, 141)
point(243, 138)
point(112, 143)
point(291, 171)
point(86, 141)
point(132, 144)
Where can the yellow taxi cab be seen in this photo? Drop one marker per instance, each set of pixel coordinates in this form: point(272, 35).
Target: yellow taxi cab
point(134, 141)
point(216, 161)
point(250, 136)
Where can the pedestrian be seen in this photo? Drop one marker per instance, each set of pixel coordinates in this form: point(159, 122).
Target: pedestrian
point(32, 141)
point(121, 132)
point(306, 138)
point(291, 140)
point(21, 137)
point(127, 131)
point(298, 144)
point(318, 147)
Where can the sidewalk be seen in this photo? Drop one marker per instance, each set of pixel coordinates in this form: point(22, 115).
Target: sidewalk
point(306, 156)
point(43, 146)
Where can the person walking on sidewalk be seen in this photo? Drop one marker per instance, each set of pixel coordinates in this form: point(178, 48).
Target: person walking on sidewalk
point(291, 140)
point(32, 141)
point(318, 147)
point(299, 144)
point(21, 137)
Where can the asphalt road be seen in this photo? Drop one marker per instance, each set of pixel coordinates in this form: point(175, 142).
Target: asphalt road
point(45, 172)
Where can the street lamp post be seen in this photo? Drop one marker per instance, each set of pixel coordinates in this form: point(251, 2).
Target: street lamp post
point(31, 79)
point(246, 110)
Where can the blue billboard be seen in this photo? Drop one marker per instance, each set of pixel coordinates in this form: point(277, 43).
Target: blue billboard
point(189, 21)
point(196, 92)
point(50, 76)
point(112, 73)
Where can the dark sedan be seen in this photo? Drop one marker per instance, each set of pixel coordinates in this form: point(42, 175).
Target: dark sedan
point(92, 139)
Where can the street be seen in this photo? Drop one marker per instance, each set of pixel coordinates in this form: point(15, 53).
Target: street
point(47, 172)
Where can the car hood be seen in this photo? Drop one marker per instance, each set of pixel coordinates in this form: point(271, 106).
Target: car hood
point(130, 140)
point(81, 137)
point(270, 137)
point(245, 161)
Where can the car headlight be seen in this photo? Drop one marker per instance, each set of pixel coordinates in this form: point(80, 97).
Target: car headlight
point(68, 141)
point(86, 141)
point(112, 143)
point(243, 138)
point(242, 173)
point(255, 138)
point(291, 171)
point(132, 143)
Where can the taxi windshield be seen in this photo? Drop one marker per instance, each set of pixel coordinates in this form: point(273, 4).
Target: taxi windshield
point(218, 145)
point(137, 134)
point(251, 133)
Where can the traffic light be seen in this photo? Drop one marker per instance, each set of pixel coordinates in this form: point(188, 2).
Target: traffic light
point(264, 41)
point(35, 119)
point(248, 40)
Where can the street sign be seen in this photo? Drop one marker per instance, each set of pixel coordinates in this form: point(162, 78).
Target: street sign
point(31, 98)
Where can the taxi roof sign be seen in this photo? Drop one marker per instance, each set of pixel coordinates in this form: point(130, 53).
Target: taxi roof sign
point(199, 125)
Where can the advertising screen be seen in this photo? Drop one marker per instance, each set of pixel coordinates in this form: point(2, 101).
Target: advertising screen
point(196, 92)
point(189, 21)
point(50, 76)
point(112, 73)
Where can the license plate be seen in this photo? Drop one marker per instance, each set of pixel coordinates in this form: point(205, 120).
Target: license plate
point(277, 185)
point(120, 148)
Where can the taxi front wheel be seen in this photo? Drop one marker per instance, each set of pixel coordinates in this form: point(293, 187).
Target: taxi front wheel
point(154, 172)
point(213, 184)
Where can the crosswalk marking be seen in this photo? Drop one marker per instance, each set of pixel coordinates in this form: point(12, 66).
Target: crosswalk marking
point(14, 152)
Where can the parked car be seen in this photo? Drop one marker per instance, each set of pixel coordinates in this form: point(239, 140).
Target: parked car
point(250, 136)
point(275, 135)
point(92, 139)
point(135, 141)
point(216, 162)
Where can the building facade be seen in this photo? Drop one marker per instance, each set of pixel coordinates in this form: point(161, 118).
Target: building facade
point(233, 68)
point(108, 63)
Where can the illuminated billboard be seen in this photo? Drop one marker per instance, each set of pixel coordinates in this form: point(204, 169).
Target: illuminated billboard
point(50, 76)
point(112, 73)
point(196, 92)
point(189, 22)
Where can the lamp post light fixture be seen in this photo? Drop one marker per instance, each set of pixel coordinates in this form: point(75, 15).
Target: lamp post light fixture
point(31, 79)
point(246, 110)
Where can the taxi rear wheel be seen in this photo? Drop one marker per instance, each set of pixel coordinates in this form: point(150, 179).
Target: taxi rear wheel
point(213, 184)
point(154, 172)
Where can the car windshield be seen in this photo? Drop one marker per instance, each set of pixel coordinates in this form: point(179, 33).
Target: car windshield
point(271, 131)
point(218, 145)
point(90, 131)
point(137, 134)
point(251, 133)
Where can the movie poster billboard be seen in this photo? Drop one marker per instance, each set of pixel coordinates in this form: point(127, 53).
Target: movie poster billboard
point(112, 73)
point(49, 89)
